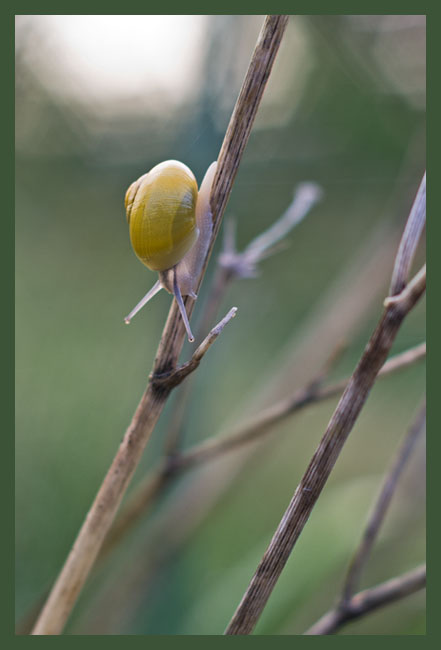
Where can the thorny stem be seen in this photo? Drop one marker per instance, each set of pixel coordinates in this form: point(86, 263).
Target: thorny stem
point(103, 510)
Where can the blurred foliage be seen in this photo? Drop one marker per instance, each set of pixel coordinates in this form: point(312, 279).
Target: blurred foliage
point(345, 108)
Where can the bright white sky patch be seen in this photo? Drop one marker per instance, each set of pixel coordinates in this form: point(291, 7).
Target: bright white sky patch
point(118, 57)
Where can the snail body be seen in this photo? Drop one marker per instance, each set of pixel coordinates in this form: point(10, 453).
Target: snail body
point(170, 225)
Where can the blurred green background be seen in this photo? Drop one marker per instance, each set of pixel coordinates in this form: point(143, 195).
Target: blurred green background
point(99, 101)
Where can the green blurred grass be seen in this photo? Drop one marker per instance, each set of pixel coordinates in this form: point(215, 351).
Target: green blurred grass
point(80, 372)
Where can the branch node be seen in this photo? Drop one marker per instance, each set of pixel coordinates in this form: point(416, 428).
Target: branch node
point(410, 292)
point(173, 378)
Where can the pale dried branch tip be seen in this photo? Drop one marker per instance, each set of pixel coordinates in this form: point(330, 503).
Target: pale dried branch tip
point(244, 264)
point(231, 266)
point(175, 377)
point(409, 240)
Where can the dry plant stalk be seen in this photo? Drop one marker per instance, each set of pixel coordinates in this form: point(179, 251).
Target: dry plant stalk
point(102, 512)
point(232, 265)
point(371, 599)
point(350, 606)
point(159, 479)
point(249, 431)
point(337, 314)
point(356, 290)
point(403, 298)
point(380, 508)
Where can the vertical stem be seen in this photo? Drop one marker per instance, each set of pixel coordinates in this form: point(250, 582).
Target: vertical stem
point(91, 536)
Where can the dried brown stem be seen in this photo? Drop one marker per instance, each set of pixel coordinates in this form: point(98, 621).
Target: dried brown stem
point(263, 422)
point(370, 599)
point(232, 265)
point(412, 233)
point(380, 508)
point(342, 308)
point(345, 415)
point(251, 430)
point(244, 112)
point(175, 377)
point(102, 512)
point(176, 464)
point(153, 485)
point(244, 264)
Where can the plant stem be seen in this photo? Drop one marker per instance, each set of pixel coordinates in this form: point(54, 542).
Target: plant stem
point(345, 415)
point(103, 510)
point(370, 599)
point(256, 427)
point(381, 506)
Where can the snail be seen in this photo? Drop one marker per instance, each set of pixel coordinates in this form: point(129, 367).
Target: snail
point(170, 226)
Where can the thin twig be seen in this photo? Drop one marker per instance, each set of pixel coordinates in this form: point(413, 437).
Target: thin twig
point(370, 599)
point(159, 479)
point(338, 312)
point(245, 111)
point(349, 299)
point(345, 415)
point(102, 512)
point(174, 465)
point(263, 422)
point(223, 275)
point(244, 264)
point(232, 265)
point(251, 430)
point(174, 378)
point(380, 508)
point(412, 232)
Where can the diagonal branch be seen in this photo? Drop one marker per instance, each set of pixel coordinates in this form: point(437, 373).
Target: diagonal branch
point(371, 599)
point(232, 265)
point(345, 415)
point(263, 422)
point(102, 512)
point(409, 292)
point(159, 479)
point(380, 508)
point(259, 426)
point(174, 378)
point(244, 264)
point(412, 233)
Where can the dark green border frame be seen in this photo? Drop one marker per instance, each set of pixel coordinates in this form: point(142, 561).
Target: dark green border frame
point(307, 8)
point(7, 276)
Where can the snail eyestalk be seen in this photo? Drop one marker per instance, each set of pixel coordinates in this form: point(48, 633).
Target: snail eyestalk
point(178, 296)
point(148, 296)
